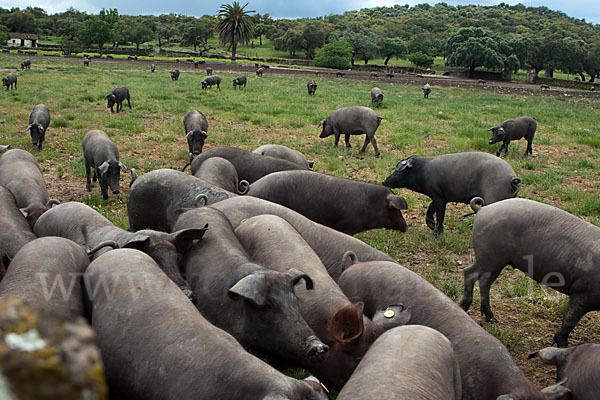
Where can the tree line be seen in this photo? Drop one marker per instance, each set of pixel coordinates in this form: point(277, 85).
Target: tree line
point(499, 38)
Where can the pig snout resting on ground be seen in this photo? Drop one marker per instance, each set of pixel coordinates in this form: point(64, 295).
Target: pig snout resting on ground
point(514, 129)
point(196, 126)
point(330, 245)
point(408, 362)
point(16, 231)
point(285, 153)
point(155, 345)
point(222, 173)
point(249, 166)
point(367, 206)
point(376, 96)
point(39, 120)
point(354, 120)
point(254, 304)
point(157, 198)
point(175, 75)
point(101, 154)
point(240, 82)
point(46, 274)
point(553, 247)
point(274, 243)
point(87, 227)
point(312, 87)
point(209, 81)
point(21, 174)
point(10, 81)
point(457, 177)
point(426, 90)
point(118, 96)
point(578, 368)
point(486, 367)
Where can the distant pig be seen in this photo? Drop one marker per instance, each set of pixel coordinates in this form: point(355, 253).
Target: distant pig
point(118, 96)
point(366, 205)
point(175, 75)
point(235, 293)
point(240, 81)
point(152, 68)
point(25, 64)
point(21, 174)
point(259, 71)
point(456, 177)
point(553, 247)
point(209, 81)
point(285, 153)
point(426, 90)
point(407, 362)
point(376, 96)
point(355, 120)
point(514, 129)
point(195, 126)
point(10, 81)
point(312, 87)
point(39, 120)
point(209, 71)
point(101, 154)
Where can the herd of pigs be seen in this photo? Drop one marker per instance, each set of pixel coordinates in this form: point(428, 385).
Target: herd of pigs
point(234, 270)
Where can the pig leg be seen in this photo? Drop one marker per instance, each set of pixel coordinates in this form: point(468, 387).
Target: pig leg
point(129, 103)
point(103, 189)
point(429, 217)
point(529, 149)
point(88, 184)
point(440, 212)
point(485, 283)
point(364, 146)
point(576, 309)
point(374, 143)
point(347, 140)
point(337, 139)
point(471, 276)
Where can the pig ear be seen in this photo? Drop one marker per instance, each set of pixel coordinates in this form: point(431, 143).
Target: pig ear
point(28, 128)
point(189, 135)
point(322, 123)
point(553, 355)
point(346, 325)
point(557, 391)
point(184, 239)
point(394, 315)
point(138, 242)
point(4, 147)
point(295, 276)
point(252, 287)
point(397, 202)
point(103, 167)
point(122, 166)
point(204, 135)
point(24, 211)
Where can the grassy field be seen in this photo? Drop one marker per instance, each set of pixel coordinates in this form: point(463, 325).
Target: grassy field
point(563, 172)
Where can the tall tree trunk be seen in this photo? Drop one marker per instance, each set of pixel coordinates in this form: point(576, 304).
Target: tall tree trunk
point(471, 71)
point(260, 39)
point(137, 46)
point(159, 44)
point(387, 60)
point(582, 76)
point(549, 73)
point(233, 48)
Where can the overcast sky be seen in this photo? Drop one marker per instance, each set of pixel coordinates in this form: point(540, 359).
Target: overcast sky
point(586, 9)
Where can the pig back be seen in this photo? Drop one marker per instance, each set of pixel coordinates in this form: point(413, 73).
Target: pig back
point(16, 231)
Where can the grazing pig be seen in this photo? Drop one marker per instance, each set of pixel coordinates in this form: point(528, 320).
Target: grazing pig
point(259, 71)
point(426, 90)
point(312, 87)
point(175, 75)
point(554, 248)
point(331, 246)
point(156, 199)
point(15, 228)
point(89, 228)
point(118, 96)
point(340, 74)
point(273, 242)
point(40, 268)
point(152, 68)
point(209, 81)
point(367, 206)
point(101, 154)
point(142, 311)
point(376, 96)
point(457, 177)
point(195, 125)
point(249, 166)
point(21, 174)
point(10, 81)
point(239, 81)
point(39, 119)
point(486, 367)
point(578, 368)
point(25, 64)
point(514, 129)
point(221, 173)
point(285, 153)
point(86, 62)
point(408, 362)
point(235, 293)
point(355, 120)
point(209, 71)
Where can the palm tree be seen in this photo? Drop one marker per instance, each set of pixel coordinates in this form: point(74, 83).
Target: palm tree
point(236, 26)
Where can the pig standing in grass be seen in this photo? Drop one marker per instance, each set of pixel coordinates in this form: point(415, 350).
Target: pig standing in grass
point(209, 81)
point(39, 120)
point(25, 64)
point(426, 90)
point(514, 129)
point(10, 81)
point(101, 154)
point(553, 247)
point(118, 96)
point(240, 82)
point(457, 177)
point(195, 125)
point(175, 75)
point(312, 87)
point(376, 96)
point(355, 120)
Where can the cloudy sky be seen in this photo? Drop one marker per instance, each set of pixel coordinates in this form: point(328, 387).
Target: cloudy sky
point(586, 9)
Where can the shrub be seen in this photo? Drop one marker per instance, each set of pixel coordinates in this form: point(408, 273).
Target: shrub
point(421, 60)
point(334, 55)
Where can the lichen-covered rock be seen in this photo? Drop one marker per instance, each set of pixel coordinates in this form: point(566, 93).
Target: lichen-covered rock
point(46, 358)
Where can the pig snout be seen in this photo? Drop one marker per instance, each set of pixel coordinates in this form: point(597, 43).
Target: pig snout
point(315, 349)
point(115, 191)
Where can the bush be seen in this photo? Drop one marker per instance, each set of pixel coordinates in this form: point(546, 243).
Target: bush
point(421, 60)
point(334, 55)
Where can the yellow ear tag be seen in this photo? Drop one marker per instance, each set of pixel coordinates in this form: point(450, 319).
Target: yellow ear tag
point(389, 313)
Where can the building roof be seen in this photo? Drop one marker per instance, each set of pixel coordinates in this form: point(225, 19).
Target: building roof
point(19, 35)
